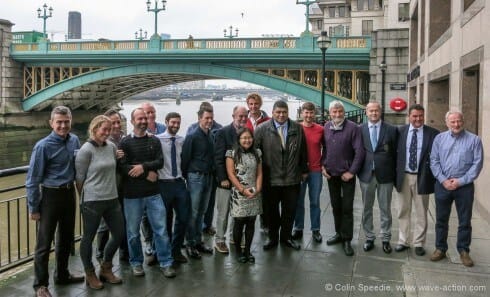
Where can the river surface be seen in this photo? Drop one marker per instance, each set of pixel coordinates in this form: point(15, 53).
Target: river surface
point(188, 110)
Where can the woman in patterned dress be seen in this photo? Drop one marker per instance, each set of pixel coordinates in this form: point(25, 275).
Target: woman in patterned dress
point(244, 168)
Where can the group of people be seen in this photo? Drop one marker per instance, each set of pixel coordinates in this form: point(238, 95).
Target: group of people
point(155, 182)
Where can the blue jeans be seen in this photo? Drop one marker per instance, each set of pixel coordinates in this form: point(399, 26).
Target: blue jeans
point(155, 210)
point(314, 182)
point(463, 198)
point(176, 198)
point(199, 186)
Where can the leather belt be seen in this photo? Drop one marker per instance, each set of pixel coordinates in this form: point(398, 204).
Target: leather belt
point(171, 180)
point(412, 173)
point(67, 186)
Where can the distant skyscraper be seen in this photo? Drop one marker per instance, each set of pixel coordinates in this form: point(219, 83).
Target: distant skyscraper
point(74, 25)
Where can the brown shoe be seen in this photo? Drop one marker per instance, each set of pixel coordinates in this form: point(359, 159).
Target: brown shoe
point(221, 247)
point(42, 292)
point(437, 255)
point(106, 274)
point(91, 280)
point(466, 259)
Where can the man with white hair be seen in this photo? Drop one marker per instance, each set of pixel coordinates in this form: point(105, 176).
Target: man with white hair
point(343, 157)
point(456, 161)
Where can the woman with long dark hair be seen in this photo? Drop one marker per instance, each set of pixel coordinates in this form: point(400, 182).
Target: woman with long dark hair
point(244, 168)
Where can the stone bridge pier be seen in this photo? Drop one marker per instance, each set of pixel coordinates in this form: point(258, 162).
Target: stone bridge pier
point(20, 130)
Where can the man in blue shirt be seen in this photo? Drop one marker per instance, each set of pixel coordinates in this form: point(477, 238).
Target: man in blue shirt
point(456, 161)
point(51, 199)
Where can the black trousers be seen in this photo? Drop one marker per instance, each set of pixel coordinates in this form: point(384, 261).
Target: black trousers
point(281, 209)
point(57, 211)
point(342, 200)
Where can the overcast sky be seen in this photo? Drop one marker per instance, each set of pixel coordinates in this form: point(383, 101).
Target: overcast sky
point(119, 19)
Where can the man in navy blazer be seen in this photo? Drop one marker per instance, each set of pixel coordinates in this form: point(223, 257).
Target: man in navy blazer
point(377, 174)
point(414, 184)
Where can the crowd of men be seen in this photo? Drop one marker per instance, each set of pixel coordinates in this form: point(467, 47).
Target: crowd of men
point(171, 183)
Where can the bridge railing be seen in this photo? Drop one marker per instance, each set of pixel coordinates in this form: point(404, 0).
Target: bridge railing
point(17, 231)
point(191, 43)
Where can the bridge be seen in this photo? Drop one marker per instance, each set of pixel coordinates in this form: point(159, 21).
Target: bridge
point(94, 75)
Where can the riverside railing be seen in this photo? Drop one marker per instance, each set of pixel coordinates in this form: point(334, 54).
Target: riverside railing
point(17, 230)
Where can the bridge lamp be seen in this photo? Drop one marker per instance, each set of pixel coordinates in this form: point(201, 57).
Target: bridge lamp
point(231, 32)
point(44, 16)
point(383, 67)
point(155, 10)
point(323, 43)
point(141, 36)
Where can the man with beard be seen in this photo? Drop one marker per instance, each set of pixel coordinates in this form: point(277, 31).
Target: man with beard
point(224, 140)
point(342, 159)
point(172, 185)
point(142, 158)
point(198, 168)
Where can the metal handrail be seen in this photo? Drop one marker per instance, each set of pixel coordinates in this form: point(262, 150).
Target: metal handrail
point(18, 247)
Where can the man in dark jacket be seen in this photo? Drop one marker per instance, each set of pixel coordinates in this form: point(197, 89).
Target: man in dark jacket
point(377, 175)
point(414, 179)
point(342, 160)
point(284, 162)
point(224, 140)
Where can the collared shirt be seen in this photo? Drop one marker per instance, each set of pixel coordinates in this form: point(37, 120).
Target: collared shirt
point(371, 127)
point(456, 156)
point(420, 138)
point(159, 128)
point(52, 164)
point(166, 141)
point(284, 131)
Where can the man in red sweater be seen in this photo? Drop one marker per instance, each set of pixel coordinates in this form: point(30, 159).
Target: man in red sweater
point(314, 181)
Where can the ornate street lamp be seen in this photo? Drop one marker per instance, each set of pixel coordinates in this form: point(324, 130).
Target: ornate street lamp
point(307, 3)
point(231, 32)
point(323, 43)
point(383, 67)
point(44, 16)
point(141, 36)
point(156, 10)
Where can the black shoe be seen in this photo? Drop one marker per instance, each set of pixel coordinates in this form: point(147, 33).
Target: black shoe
point(269, 245)
point(297, 234)
point(192, 252)
point(347, 248)
point(419, 251)
point(334, 239)
point(251, 258)
point(368, 245)
point(204, 249)
point(400, 248)
point(151, 260)
point(317, 237)
point(179, 258)
point(242, 258)
point(292, 244)
point(71, 279)
point(386, 247)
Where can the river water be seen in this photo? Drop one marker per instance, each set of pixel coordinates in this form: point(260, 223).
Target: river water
point(188, 110)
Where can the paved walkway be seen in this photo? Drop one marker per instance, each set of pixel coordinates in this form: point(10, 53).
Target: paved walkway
point(316, 270)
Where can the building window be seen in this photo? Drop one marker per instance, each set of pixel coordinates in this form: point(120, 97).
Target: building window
point(331, 11)
point(319, 24)
point(367, 27)
point(330, 31)
point(342, 11)
point(347, 31)
point(360, 4)
point(339, 30)
point(403, 12)
point(371, 4)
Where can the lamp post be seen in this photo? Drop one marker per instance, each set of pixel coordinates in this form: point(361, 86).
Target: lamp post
point(307, 3)
point(323, 43)
point(231, 32)
point(140, 36)
point(383, 67)
point(44, 16)
point(155, 10)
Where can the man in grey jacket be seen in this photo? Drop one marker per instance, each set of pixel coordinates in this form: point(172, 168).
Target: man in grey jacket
point(284, 162)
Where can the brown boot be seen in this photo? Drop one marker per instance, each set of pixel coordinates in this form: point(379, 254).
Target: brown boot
point(106, 274)
point(92, 281)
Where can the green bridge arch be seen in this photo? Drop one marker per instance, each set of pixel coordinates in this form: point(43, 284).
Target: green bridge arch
point(186, 72)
